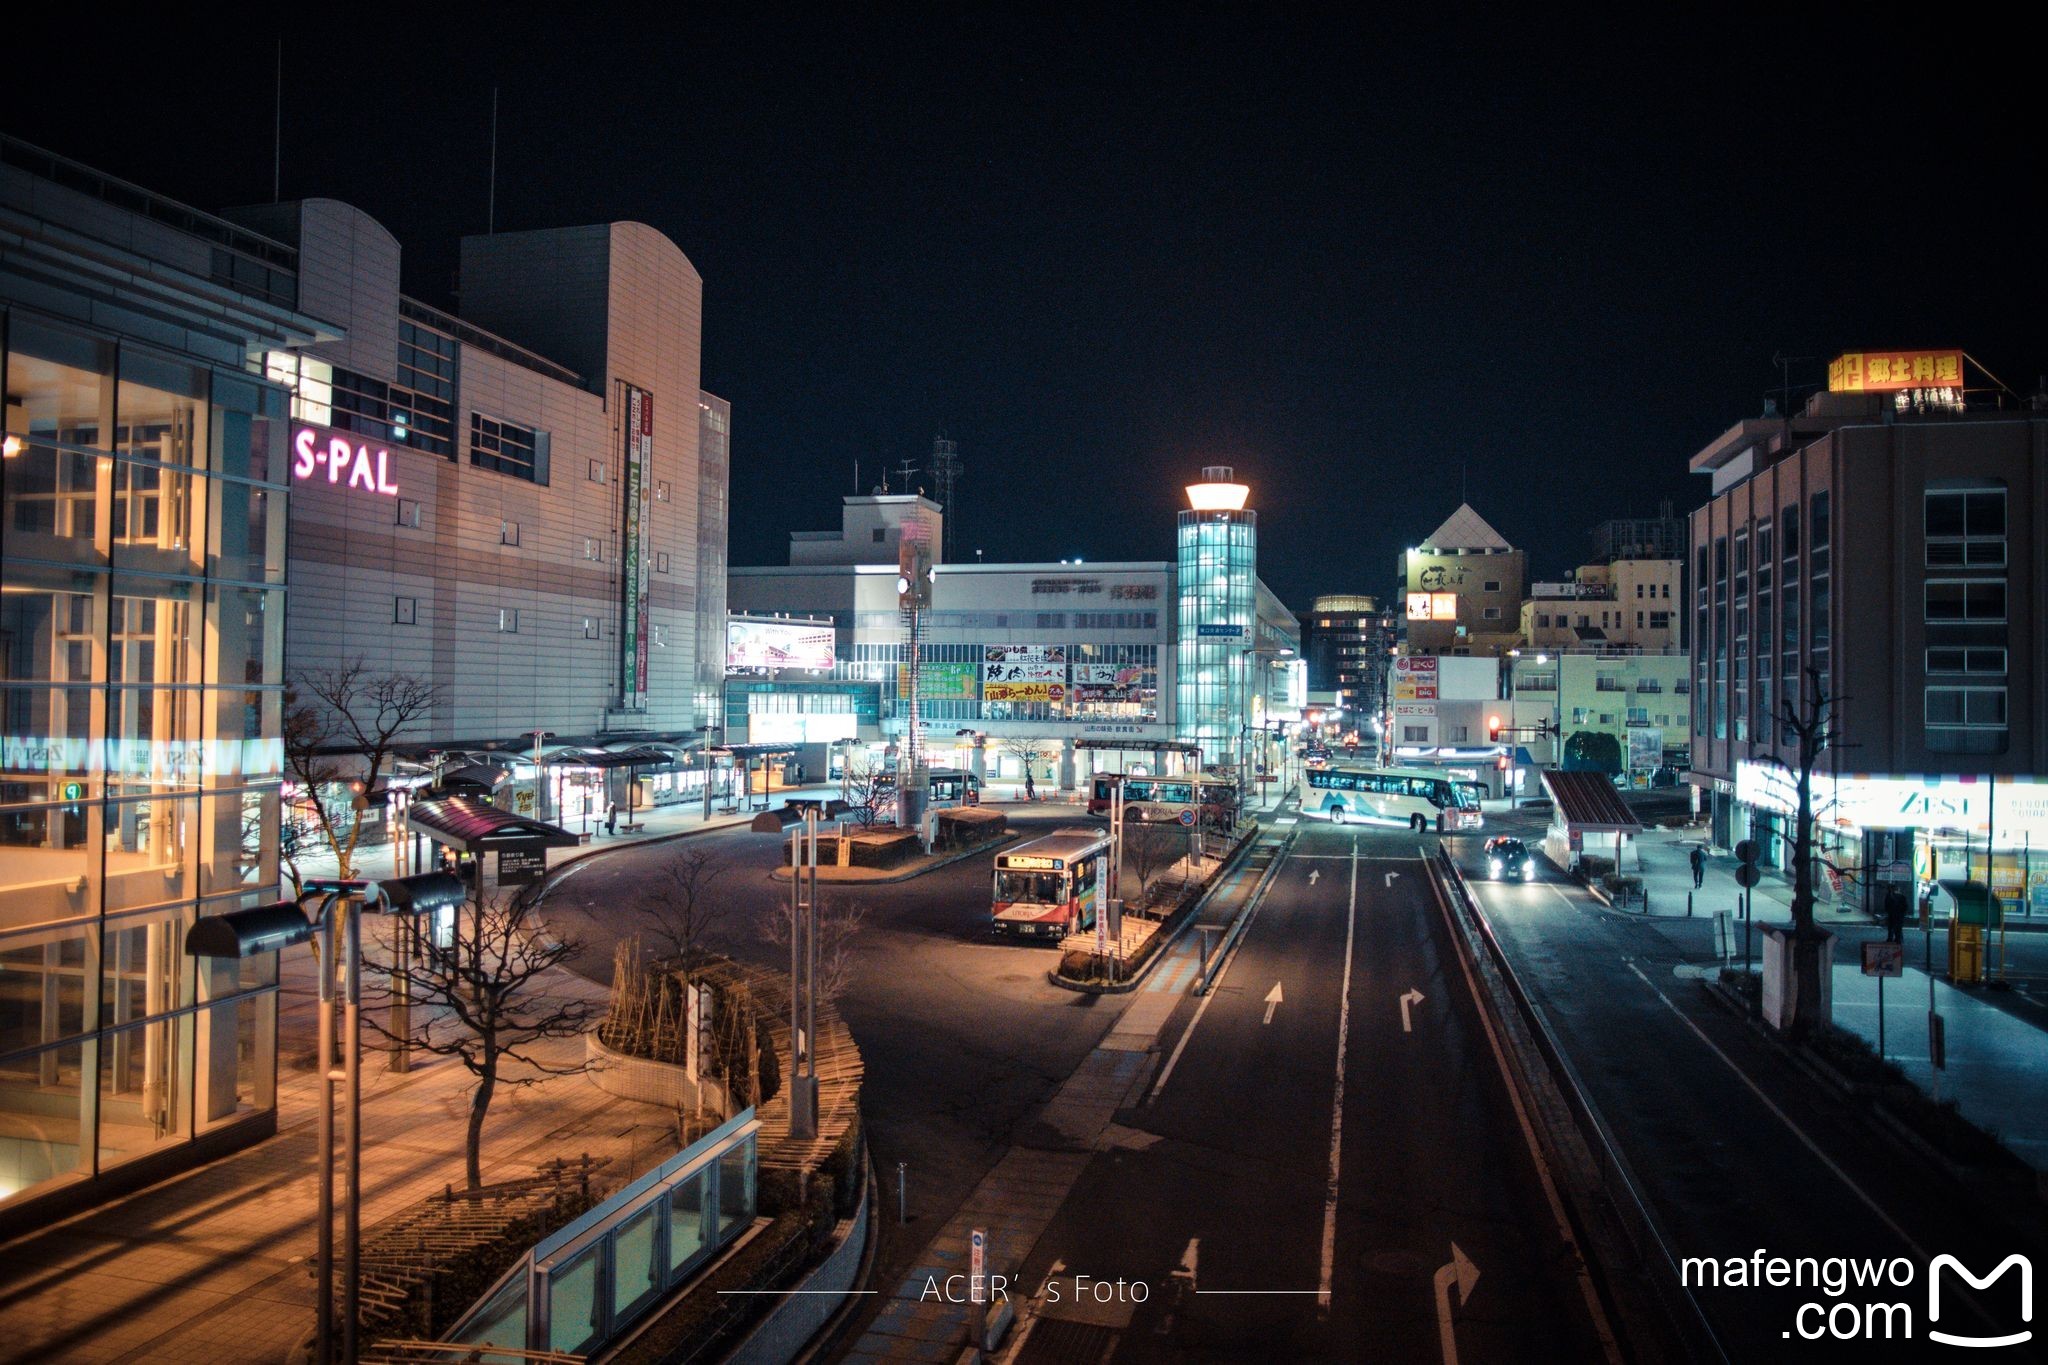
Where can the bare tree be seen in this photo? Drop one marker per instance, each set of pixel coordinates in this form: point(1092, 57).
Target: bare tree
point(839, 925)
point(340, 727)
point(679, 903)
point(489, 1000)
point(1027, 751)
point(867, 786)
point(1810, 722)
point(1148, 850)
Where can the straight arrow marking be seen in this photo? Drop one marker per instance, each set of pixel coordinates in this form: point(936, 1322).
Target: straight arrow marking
point(1314, 875)
point(1273, 999)
point(1413, 997)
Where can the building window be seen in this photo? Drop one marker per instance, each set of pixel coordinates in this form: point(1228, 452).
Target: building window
point(407, 611)
point(508, 533)
point(409, 513)
point(597, 471)
point(1490, 614)
point(521, 452)
point(592, 548)
point(362, 404)
point(1959, 660)
point(508, 620)
point(1981, 601)
point(661, 490)
point(1965, 720)
point(1490, 585)
point(423, 400)
point(1965, 528)
point(1660, 620)
point(590, 628)
point(660, 563)
point(1415, 734)
point(1639, 592)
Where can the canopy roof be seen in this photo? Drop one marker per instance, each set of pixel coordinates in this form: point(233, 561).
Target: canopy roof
point(1588, 803)
point(472, 826)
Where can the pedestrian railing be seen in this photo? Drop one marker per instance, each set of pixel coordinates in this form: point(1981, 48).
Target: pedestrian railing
point(582, 1286)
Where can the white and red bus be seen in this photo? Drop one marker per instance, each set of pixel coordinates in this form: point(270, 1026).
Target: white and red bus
point(1050, 887)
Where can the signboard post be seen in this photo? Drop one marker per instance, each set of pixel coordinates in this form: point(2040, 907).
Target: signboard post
point(1882, 960)
point(977, 1265)
point(521, 866)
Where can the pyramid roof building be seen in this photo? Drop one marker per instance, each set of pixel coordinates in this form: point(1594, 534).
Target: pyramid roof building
point(1465, 530)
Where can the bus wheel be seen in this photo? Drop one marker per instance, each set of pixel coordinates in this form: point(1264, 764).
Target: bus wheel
point(1336, 815)
point(1416, 823)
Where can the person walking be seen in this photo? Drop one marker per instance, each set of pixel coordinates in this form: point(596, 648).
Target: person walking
point(1699, 867)
point(1894, 914)
point(611, 818)
point(1030, 788)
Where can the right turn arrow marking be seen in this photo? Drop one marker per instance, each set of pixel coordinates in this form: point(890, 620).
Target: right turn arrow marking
point(1457, 1271)
point(1412, 998)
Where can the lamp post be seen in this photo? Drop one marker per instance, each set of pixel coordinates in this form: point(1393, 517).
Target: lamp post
point(799, 819)
point(271, 928)
point(1244, 709)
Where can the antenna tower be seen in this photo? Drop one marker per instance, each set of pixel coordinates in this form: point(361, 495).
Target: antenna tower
point(946, 480)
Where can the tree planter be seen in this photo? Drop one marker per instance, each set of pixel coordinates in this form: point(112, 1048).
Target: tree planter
point(1790, 994)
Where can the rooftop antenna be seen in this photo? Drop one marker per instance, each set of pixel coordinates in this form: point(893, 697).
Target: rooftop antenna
point(277, 133)
point(491, 212)
point(909, 471)
point(946, 484)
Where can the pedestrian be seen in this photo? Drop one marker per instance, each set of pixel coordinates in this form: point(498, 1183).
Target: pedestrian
point(611, 818)
point(1030, 789)
point(1699, 867)
point(1894, 914)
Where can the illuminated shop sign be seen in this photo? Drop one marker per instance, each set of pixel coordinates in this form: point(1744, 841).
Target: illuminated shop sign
point(1891, 371)
point(1432, 606)
point(2011, 810)
point(336, 457)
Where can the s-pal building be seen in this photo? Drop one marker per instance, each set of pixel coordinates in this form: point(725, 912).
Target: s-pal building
point(1075, 667)
point(1887, 547)
point(524, 505)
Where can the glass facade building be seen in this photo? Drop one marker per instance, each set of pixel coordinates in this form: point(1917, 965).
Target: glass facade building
point(1216, 573)
point(142, 569)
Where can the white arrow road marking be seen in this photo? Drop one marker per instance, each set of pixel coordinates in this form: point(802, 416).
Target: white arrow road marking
point(1391, 876)
point(1461, 1272)
point(1273, 999)
point(1189, 1261)
point(1412, 998)
point(1314, 875)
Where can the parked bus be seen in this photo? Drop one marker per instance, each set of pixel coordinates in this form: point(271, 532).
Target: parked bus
point(1160, 800)
point(1415, 797)
point(1050, 887)
point(954, 787)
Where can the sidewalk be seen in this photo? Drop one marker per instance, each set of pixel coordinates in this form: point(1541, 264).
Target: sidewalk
point(215, 1265)
point(1667, 876)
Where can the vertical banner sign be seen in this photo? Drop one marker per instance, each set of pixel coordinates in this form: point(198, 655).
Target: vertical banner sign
point(638, 454)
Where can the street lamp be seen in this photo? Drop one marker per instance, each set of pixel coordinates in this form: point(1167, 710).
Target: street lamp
point(271, 928)
point(800, 819)
point(1245, 705)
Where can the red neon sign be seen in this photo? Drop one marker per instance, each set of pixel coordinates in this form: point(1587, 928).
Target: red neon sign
point(358, 465)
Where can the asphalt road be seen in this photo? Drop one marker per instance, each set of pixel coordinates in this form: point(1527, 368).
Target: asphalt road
point(962, 1036)
point(1734, 1148)
point(1227, 1166)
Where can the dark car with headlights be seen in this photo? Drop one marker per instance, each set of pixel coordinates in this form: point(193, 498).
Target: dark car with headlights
point(1508, 859)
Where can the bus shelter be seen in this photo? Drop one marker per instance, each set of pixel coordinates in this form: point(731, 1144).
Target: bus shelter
point(467, 829)
point(1587, 815)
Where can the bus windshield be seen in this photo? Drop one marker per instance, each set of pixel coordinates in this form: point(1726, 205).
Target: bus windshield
point(1465, 795)
point(1040, 887)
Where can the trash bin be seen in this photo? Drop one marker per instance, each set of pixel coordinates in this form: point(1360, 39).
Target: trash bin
point(1965, 953)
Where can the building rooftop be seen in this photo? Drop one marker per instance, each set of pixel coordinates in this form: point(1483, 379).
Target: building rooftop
point(1465, 530)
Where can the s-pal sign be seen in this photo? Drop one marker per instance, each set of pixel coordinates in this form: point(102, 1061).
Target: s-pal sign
point(359, 464)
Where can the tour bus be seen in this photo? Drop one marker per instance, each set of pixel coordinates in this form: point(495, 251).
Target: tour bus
point(954, 787)
point(1159, 800)
point(1415, 797)
point(1049, 887)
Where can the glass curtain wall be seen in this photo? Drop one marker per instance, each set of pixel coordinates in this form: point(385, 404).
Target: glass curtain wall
point(142, 520)
point(1217, 564)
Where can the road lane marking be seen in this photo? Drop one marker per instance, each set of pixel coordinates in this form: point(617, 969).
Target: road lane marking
point(1412, 997)
point(1215, 982)
point(1273, 999)
point(1391, 876)
point(1337, 1102)
point(1601, 1327)
point(1783, 1117)
point(1315, 875)
point(1458, 1271)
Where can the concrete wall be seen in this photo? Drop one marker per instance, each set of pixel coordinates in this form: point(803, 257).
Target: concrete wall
point(797, 1318)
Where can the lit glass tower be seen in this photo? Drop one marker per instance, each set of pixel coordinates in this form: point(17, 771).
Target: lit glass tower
point(1218, 559)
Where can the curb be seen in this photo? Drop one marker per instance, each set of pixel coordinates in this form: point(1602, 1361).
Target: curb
point(1194, 907)
point(780, 872)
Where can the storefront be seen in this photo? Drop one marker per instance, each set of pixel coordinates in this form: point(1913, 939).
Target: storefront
point(1871, 833)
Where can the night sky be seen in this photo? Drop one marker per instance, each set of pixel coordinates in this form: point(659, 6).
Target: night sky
point(1356, 257)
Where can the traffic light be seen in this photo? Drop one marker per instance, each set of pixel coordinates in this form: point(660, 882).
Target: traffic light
point(1493, 729)
point(1500, 761)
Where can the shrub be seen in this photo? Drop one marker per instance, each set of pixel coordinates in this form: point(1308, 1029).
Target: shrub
point(1592, 866)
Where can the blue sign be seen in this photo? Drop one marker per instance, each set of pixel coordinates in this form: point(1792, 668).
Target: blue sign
point(1187, 818)
point(1208, 628)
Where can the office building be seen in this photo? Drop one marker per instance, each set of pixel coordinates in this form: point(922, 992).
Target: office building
point(1347, 640)
point(1884, 548)
point(1462, 589)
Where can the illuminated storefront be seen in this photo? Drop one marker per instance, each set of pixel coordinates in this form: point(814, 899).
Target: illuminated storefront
point(141, 635)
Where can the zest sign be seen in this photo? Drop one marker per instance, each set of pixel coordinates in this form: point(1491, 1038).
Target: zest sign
point(358, 464)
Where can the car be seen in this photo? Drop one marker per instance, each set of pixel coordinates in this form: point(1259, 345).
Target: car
point(1508, 859)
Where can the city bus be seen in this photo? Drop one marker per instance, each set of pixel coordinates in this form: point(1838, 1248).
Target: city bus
point(1415, 797)
point(954, 787)
point(1049, 887)
point(1159, 800)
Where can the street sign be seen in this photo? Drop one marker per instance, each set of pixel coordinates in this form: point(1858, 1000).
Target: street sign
point(1746, 852)
point(1884, 959)
point(1186, 818)
point(74, 791)
point(1212, 629)
point(1937, 1040)
point(977, 1263)
point(1747, 875)
point(520, 866)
